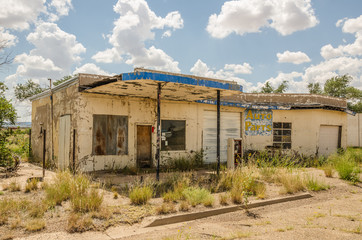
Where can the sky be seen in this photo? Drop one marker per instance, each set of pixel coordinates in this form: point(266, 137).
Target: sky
point(247, 41)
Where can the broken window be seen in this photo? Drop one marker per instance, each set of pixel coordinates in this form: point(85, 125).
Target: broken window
point(173, 135)
point(282, 135)
point(110, 135)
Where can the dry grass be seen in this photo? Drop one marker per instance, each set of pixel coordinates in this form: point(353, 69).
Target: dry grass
point(292, 183)
point(196, 196)
point(166, 208)
point(140, 195)
point(59, 190)
point(31, 185)
point(328, 170)
point(224, 199)
point(13, 186)
point(184, 206)
point(79, 223)
point(35, 225)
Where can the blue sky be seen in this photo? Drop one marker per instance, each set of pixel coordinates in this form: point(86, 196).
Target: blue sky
point(248, 41)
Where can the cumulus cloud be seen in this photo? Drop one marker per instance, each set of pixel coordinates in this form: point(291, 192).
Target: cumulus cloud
point(107, 56)
point(293, 57)
point(229, 72)
point(6, 38)
point(36, 66)
point(134, 26)
point(247, 16)
point(53, 43)
point(352, 26)
point(18, 14)
point(91, 68)
point(61, 8)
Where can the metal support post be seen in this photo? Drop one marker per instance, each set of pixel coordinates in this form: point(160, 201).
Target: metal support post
point(158, 131)
point(218, 133)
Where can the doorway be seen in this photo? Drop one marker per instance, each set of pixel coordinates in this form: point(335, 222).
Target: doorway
point(64, 142)
point(144, 150)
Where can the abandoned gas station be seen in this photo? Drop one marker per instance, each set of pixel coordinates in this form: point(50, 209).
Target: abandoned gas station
point(94, 122)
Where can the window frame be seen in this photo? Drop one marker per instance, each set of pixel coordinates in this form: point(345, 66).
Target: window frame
point(282, 131)
point(162, 148)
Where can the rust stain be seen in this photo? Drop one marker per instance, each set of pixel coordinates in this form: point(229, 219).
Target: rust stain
point(100, 143)
point(121, 141)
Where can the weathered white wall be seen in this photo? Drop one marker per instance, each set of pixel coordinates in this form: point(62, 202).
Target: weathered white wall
point(305, 129)
point(354, 130)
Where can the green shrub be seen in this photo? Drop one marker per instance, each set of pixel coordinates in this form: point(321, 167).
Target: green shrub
point(140, 195)
point(196, 196)
point(347, 169)
point(314, 185)
point(60, 189)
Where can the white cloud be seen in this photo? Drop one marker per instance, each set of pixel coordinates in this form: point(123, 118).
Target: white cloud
point(6, 38)
point(18, 14)
point(166, 34)
point(36, 66)
point(107, 56)
point(52, 43)
point(353, 26)
point(244, 68)
point(246, 16)
point(132, 29)
point(229, 72)
point(91, 68)
point(58, 8)
point(293, 57)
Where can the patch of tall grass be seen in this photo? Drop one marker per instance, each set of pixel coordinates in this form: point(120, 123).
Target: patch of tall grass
point(196, 196)
point(140, 195)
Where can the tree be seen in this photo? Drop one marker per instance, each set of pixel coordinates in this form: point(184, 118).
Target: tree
point(339, 87)
point(7, 110)
point(63, 79)
point(5, 58)
point(315, 88)
point(28, 89)
point(267, 88)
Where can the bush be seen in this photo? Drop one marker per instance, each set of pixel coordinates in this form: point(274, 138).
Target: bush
point(31, 185)
point(140, 195)
point(196, 196)
point(60, 189)
point(291, 183)
point(184, 206)
point(35, 225)
point(314, 185)
point(347, 169)
point(166, 208)
point(79, 223)
point(328, 170)
point(224, 199)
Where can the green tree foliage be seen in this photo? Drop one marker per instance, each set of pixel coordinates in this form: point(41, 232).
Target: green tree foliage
point(28, 89)
point(267, 88)
point(7, 114)
point(339, 87)
point(63, 79)
point(315, 88)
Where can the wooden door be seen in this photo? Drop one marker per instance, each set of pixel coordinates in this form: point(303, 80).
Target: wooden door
point(64, 142)
point(144, 146)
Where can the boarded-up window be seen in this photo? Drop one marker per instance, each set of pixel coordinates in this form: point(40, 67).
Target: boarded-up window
point(282, 135)
point(110, 135)
point(173, 135)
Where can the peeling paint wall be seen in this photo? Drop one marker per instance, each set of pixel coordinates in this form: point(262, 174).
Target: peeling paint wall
point(305, 129)
point(64, 102)
point(354, 130)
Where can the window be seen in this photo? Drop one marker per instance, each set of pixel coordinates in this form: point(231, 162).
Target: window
point(173, 135)
point(110, 135)
point(282, 135)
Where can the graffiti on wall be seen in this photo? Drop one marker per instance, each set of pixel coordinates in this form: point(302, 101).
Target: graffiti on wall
point(258, 122)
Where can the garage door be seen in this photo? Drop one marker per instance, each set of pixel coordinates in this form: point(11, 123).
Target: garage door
point(229, 128)
point(328, 140)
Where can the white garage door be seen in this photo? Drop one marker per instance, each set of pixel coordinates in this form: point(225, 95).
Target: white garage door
point(328, 140)
point(229, 128)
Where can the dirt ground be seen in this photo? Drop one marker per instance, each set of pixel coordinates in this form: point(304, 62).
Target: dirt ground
point(332, 214)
